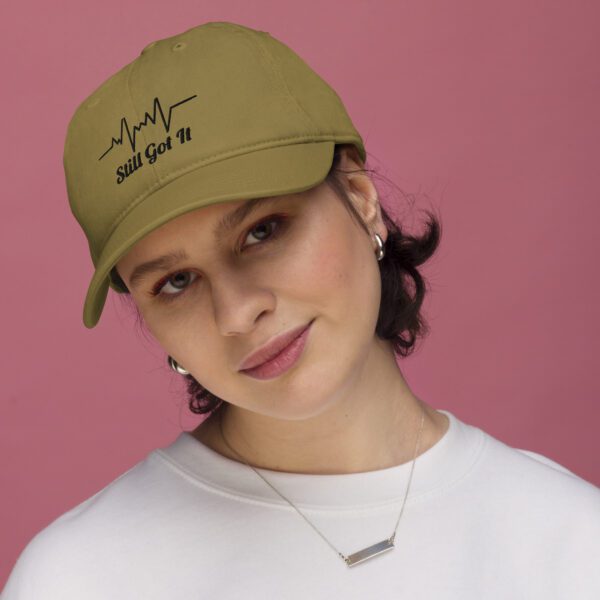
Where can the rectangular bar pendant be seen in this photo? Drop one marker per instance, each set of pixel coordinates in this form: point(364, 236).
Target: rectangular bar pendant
point(369, 552)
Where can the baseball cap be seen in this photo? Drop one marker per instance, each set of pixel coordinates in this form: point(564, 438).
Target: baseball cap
point(221, 112)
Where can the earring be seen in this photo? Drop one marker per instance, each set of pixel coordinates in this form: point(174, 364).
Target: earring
point(173, 364)
point(380, 249)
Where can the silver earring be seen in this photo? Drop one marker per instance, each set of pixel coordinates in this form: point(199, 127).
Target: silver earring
point(380, 249)
point(173, 364)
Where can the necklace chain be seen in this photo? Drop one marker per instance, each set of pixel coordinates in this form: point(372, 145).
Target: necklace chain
point(346, 559)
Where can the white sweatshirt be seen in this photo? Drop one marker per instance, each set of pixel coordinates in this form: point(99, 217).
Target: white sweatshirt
point(482, 521)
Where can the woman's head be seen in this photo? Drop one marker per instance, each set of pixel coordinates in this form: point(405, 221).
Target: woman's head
point(246, 126)
point(297, 258)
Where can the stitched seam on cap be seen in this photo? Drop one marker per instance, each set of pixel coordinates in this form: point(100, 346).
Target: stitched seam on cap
point(192, 166)
point(277, 68)
point(274, 65)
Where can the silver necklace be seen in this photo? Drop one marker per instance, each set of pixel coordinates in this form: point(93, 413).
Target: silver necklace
point(369, 551)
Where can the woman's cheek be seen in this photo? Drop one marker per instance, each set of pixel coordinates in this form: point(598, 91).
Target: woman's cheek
point(318, 263)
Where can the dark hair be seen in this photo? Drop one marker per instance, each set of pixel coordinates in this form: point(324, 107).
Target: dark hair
point(400, 320)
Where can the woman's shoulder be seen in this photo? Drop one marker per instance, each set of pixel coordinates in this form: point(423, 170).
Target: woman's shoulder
point(523, 478)
point(541, 465)
point(104, 520)
point(526, 508)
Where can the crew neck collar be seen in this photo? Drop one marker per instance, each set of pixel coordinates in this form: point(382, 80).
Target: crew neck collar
point(440, 465)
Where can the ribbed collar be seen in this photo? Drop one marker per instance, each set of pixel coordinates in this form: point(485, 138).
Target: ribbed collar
point(449, 459)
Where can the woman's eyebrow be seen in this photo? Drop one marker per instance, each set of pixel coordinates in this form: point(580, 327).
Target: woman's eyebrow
point(162, 263)
point(232, 219)
point(229, 221)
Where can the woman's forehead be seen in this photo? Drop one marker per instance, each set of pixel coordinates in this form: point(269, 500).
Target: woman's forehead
point(215, 219)
point(211, 222)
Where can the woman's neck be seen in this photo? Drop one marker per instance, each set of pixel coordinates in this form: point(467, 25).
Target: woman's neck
point(349, 436)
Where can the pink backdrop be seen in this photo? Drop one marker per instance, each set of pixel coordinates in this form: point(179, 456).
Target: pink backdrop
point(488, 114)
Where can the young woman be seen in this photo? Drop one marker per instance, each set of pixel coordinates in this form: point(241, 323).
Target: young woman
point(222, 188)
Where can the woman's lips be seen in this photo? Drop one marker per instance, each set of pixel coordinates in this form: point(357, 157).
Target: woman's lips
point(282, 361)
point(271, 349)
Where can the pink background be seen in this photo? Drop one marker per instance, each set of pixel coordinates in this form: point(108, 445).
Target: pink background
point(487, 112)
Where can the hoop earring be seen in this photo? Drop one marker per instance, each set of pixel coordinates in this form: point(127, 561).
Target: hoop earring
point(178, 369)
point(380, 248)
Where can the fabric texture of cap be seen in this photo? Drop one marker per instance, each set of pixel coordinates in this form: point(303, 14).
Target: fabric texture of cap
point(220, 112)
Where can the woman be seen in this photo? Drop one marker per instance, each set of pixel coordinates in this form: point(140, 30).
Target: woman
point(221, 186)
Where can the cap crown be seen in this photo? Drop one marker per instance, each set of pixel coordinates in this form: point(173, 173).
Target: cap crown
point(214, 91)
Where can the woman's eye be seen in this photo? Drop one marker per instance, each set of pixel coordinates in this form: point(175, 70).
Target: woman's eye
point(177, 282)
point(263, 226)
point(174, 285)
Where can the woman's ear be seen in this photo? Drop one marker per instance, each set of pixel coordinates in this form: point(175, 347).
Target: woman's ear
point(363, 194)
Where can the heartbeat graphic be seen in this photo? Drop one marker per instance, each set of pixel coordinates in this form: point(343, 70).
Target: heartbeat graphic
point(131, 133)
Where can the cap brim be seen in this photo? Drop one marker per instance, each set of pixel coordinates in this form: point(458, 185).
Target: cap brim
point(268, 172)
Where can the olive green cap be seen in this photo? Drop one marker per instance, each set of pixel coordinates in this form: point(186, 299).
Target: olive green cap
point(220, 112)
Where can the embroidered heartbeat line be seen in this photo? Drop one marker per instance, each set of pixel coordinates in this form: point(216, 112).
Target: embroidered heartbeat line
point(156, 107)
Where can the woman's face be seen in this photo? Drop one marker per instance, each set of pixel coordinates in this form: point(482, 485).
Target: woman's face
point(300, 257)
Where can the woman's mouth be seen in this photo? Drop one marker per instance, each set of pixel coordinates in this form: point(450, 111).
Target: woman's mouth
point(282, 361)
